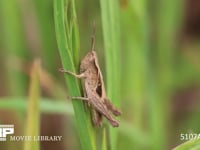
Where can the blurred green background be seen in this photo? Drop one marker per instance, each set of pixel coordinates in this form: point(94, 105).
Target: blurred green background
point(149, 55)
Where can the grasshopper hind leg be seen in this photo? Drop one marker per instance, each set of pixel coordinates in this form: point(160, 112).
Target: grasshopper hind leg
point(111, 107)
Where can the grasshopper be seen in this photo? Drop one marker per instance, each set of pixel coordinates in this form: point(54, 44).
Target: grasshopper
point(94, 89)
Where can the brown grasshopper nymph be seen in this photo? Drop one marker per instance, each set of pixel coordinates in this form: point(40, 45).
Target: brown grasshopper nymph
point(95, 90)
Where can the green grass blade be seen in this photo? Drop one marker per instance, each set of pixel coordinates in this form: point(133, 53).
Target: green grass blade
point(135, 27)
point(43, 11)
point(14, 47)
point(167, 23)
point(110, 23)
point(65, 46)
point(189, 145)
point(33, 116)
point(48, 106)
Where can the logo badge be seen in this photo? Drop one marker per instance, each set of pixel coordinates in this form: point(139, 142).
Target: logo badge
point(5, 130)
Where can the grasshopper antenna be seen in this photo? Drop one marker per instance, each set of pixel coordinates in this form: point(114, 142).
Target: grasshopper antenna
point(93, 37)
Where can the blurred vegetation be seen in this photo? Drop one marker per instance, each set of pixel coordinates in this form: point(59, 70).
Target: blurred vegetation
point(149, 55)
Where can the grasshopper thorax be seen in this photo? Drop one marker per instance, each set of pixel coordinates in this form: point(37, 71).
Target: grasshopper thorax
point(88, 61)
